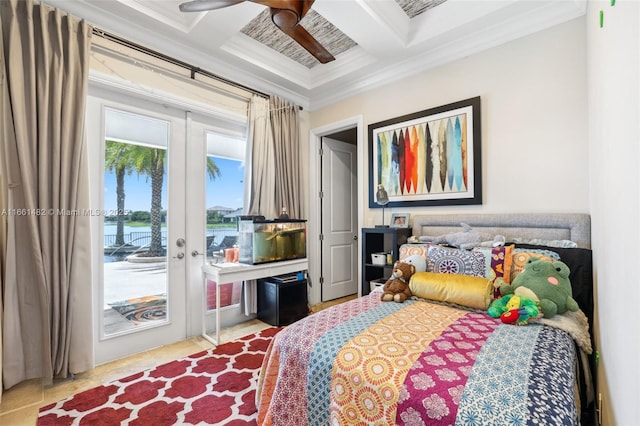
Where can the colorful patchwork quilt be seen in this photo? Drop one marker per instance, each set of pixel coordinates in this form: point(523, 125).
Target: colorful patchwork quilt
point(416, 363)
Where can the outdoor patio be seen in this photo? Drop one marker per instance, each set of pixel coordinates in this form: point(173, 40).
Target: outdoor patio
point(127, 280)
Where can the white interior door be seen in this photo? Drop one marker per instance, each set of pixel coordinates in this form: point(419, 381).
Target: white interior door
point(339, 219)
point(140, 297)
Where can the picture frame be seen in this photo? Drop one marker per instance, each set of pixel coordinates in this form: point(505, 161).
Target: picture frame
point(438, 164)
point(399, 220)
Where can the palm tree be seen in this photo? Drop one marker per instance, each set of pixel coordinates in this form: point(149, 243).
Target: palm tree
point(156, 171)
point(117, 159)
point(151, 162)
point(212, 169)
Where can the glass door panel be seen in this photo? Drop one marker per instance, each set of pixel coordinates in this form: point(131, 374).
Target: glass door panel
point(135, 237)
point(137, 151)
point(224, 200)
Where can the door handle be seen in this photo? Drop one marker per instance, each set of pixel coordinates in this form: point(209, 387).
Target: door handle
point(180, 255)
point(355, 238)
point(180, 242)
point(196, 253)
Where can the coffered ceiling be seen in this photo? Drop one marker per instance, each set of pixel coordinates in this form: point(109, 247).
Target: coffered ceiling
point(374, 41)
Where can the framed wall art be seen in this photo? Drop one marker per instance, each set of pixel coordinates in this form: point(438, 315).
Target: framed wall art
point(428, 158)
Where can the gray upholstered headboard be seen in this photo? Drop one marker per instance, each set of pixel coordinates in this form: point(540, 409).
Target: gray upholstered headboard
point(550, 226)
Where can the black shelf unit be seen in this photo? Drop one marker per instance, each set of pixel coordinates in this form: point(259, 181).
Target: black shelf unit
point(380, 240)
point(282, 303)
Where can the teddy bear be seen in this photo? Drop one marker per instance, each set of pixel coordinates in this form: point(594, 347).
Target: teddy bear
point(545, 282)
point(397, 286)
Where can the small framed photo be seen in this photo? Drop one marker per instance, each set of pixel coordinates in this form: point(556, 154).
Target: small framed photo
point(400, 220)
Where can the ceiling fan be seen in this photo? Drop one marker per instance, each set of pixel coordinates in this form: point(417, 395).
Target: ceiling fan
point(285, 14)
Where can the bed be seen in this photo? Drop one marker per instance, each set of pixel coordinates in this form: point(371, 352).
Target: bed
point(441, 360)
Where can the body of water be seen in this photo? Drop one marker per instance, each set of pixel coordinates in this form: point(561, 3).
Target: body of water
point(139, 237)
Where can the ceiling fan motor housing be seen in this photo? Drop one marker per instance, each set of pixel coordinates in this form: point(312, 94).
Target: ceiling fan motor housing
point(285, 18)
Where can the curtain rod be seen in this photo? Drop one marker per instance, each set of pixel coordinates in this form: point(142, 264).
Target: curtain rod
point(192, 68)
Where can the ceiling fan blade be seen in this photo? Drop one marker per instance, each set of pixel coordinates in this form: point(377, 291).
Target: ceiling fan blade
point(306, 40)
point(300, 7)
point(285, 14)
point(204, 5)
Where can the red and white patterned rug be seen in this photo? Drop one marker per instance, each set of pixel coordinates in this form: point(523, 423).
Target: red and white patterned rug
point(211, 387)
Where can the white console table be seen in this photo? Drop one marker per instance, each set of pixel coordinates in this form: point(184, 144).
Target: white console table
point(224, 273)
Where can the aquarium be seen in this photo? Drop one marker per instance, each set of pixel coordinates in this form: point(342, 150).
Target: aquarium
point(271, 240)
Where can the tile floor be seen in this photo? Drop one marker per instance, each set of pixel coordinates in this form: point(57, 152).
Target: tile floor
point(21, 403)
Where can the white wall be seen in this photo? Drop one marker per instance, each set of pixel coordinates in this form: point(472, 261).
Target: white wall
point(559, 133)
point(614, 133)
point(534, 119)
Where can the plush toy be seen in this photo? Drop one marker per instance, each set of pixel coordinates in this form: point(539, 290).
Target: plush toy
point(512, 309)
point(397, 286)
point(466, 239)
point(545, 282)
point(418, 261)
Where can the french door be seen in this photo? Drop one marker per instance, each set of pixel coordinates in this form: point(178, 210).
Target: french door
point(147, 180)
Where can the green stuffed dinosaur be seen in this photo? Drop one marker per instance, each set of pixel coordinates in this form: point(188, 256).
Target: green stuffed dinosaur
point(545, 282)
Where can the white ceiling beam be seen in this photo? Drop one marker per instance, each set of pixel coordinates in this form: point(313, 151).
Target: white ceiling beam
point(390, 45)
point(218, 26)
point(165, 12)
point(452, 15)
point(365, 25)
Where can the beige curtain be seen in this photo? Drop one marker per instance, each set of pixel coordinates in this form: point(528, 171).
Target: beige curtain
point(3, 191)
point(272, 160)
point(260, 162)
point(286, 138)
point(47, 324)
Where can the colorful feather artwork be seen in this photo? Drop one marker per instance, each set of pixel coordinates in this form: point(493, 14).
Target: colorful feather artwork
point(402, 160)
point(456, 158)
point(385, 159)
point(411, 170)
point(394, 173)
point(422, 158)
point(450, 154)
point(464, 151)
point(436, 185)
point(429, 153)
point(442, 154)
point(421, 162)
point(380, 156)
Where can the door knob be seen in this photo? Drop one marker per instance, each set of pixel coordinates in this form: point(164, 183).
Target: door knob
point(180, 255)
point(180, 242)
point(355, 238)
point(196, 253)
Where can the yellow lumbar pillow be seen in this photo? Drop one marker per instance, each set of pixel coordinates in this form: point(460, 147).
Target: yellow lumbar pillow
point(465, 290)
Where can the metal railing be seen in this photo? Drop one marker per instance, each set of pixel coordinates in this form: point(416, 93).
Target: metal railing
point(134, 240)
point(141, 238)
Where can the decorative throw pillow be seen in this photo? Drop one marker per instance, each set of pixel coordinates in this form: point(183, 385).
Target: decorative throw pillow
point(497, 263)
point(447, 260)
point(407, 250)
point(464, 290)
point(548, 243)
point(540, 251)
point(520, 258)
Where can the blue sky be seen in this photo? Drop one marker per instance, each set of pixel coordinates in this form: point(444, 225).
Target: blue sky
point(225, 191)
